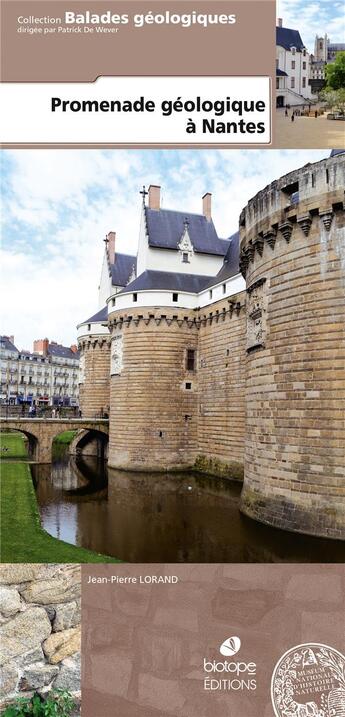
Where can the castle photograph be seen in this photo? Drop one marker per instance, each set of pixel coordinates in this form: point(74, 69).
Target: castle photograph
point(210, 422)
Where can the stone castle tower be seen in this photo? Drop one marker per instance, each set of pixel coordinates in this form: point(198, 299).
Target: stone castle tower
point(228, 354)
point(293, 259)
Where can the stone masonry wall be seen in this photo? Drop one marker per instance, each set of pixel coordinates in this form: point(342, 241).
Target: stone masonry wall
point(94, 391)
point(221, 381)
point(153, 415)
point(292, 253)
point(39, 630)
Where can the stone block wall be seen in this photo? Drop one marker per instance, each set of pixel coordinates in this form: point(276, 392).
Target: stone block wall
point(222, 376)
point(94, 389)
point(153, 415)
point(292, 254)
point(39, 630)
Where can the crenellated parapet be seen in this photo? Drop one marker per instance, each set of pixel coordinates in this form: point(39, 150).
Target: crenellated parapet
point(93, 342)
point(193, 320)
point(287, 208)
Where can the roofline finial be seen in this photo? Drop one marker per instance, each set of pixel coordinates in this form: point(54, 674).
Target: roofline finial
point(144, 193)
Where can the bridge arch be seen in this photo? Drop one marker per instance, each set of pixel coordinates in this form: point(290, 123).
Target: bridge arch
point(41, 433)
point(90, 441)
point(32, 441)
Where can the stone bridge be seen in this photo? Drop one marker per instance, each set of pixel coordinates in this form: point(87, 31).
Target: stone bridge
point(42, 431)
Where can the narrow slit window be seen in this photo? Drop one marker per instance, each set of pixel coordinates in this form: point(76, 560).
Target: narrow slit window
point(175, 297)
point(190, 360)
point(188, 386)
point(135, 297)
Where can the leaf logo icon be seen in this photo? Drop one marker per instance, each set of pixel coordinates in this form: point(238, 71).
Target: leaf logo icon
point(230, 646)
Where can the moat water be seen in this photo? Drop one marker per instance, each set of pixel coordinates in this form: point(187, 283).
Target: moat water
point(141, 517)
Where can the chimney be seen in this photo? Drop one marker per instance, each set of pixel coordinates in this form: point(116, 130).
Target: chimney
point(111, 246)
point(280, 22)
point(74, 348)
point(206, 205)
point(154, 196)
point(41, 346)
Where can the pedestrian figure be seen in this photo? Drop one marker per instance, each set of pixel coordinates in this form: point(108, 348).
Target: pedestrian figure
point(53, 413)
point(286, 113)
point(80, 414)
point(315, 114)
point(293, 117)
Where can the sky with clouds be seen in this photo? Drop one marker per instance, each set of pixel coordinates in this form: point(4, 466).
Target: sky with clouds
point(58, 205)
point(314, 17)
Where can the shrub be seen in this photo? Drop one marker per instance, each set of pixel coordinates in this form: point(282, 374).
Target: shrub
point(60, 703)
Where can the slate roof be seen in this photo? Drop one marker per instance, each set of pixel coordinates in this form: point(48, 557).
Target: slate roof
point(288, 38)
point(281, 73)
point(6, 344)
point(151, 279)
point(231, 262)
point(101, 315)
point(62, 351)
point(334, 152)
point(166, 226)
point(122, 269)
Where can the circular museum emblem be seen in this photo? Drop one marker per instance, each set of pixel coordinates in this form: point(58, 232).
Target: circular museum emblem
point(309, 681)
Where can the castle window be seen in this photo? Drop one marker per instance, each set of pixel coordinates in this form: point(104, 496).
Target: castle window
point(210, 293)
point(188, 385)
point(292, 82)
point(185, 257)
point(135, 297)
point(327, 176)
point(304, 65)
point(303, 81)
point(190, 360)
point(113, 302)
point(224, 288)
point(313, 180)
point(293, 50)
point(293, 64)
point(89, 327)
point(175, 297)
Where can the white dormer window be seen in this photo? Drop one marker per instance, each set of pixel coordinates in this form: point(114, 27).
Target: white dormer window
point(293, 50)
point(185, 245)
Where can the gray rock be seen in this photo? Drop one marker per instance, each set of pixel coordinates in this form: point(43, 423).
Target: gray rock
point(8, 679)
point(26, 631)
point(69, 675)
point(50, 612)
point(9, 601)
point(36, 655)
point(66, 615)
point(37, 676)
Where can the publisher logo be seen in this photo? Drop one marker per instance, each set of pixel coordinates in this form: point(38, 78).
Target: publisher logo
point(230, 646)
point(309, 681)
point(229, 675)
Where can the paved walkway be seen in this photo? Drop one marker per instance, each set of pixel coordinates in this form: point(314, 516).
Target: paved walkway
point(308, 132)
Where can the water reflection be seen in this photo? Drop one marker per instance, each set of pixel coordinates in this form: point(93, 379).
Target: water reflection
point(140, 517)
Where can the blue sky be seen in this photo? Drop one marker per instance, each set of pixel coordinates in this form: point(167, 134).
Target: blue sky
point(314, 17)
point(58, 205)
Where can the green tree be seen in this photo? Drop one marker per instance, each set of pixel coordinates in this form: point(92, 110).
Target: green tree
point(335, 72)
